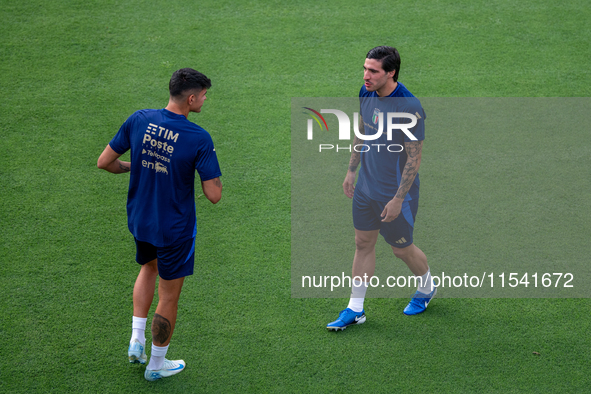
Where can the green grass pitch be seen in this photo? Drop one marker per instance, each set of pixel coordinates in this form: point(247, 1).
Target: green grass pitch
point(72, 71)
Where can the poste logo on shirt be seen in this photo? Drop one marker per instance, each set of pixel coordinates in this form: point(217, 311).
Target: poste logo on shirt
point(345, 129)
point(160, 149)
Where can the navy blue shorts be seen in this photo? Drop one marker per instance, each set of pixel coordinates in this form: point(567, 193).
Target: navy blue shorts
point(175, 261)
point(367, 217)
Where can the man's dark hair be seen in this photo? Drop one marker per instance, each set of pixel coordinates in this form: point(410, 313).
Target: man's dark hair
point(389, 57)
point(187, 79)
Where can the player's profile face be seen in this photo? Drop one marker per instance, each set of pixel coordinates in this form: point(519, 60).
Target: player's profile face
point(198, 101)
point(374, 75)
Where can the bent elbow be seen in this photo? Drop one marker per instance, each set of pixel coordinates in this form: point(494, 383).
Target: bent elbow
point(100, 164)
point(214, 196)
point(212, 190)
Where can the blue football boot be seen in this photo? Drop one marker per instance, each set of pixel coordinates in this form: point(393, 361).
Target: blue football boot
point(419, 302)
point(346, 318)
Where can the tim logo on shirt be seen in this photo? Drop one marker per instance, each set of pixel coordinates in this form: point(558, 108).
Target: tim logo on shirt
point(162, 133)
point(159, 142)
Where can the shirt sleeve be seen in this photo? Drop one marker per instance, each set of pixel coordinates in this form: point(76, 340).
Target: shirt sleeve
point(416, 109)
point(121, 142)
point(206, 162)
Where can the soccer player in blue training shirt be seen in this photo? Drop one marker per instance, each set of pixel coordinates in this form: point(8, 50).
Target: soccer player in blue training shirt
point(385, 199)
point(166, 149)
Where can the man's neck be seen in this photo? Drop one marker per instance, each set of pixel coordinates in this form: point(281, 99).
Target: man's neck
point(387, 89)
point(177, 109)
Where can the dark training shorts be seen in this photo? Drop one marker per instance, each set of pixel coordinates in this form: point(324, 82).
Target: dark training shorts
point(367, 217)
point(175, 261)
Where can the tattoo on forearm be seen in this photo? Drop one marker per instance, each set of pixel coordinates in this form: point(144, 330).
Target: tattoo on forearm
point(123, 167)
point(160, 329)
point(411, 168)
point(356, 156)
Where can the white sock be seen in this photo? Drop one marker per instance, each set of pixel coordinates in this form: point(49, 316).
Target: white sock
point(358, 291)
point(157, 357)
point(426, 283)
point(138, 329)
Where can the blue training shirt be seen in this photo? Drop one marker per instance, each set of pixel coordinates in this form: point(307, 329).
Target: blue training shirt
point(166, 149)
point(383, 160)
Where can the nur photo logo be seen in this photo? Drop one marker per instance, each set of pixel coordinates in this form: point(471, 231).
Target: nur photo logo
point(392, 120)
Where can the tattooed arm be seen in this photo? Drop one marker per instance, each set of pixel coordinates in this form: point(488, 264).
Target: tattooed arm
point(109, 161)
point(349, 184)
point(413, 162)
point(414, 150)
point(212, 189)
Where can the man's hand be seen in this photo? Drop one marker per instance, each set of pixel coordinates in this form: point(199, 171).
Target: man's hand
point(349, 184)
point(392, 210)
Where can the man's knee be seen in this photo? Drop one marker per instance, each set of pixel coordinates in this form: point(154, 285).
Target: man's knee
point(403, 253)
point(151, 267)
point(364, 242)
point(168, 298)
point(169, 291)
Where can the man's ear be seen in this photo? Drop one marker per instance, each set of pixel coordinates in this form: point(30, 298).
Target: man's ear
point(190, 99)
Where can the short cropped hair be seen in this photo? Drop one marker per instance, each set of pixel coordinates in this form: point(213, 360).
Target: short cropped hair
point(389, 57)
point(187, 79)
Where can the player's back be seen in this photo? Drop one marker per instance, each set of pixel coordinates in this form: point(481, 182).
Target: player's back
point(165, 150)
